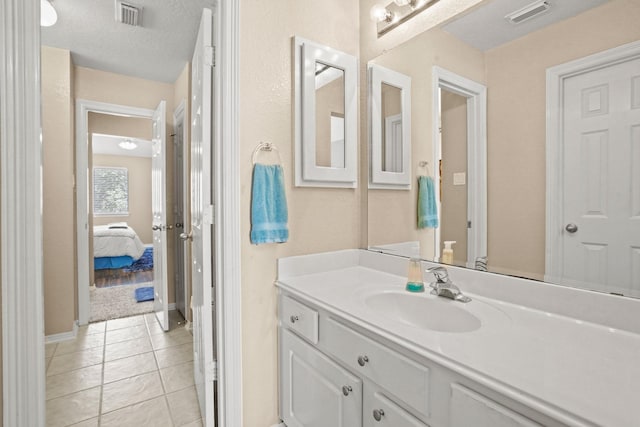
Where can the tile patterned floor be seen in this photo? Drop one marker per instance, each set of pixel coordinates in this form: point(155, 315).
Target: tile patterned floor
point(123, 372)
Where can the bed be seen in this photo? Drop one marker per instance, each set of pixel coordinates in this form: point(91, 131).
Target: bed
point(115, 246)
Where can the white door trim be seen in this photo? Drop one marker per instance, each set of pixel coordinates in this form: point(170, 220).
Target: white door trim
point(476, 95)
point(556, 77)
point(83, 108)
point(228, 293)
point(21, 210)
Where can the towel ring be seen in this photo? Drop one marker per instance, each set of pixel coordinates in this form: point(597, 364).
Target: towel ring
point(424, 164)
point(265, 146)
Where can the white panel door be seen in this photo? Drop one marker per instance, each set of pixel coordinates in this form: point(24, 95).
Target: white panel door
point(601, 207)
point(158, 207)
point(202, 215)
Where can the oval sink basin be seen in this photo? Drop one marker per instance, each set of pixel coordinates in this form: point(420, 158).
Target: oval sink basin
point(422, 311)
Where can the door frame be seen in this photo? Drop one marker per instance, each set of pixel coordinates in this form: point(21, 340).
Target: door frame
point(556, 77)
point(83, 108)
point(476, 95)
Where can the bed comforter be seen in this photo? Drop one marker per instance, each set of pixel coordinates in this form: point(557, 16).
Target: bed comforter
point(115, 242)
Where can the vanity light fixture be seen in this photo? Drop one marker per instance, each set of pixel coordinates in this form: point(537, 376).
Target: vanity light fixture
point(48, 15)
point(397, 12)
point(127, 144)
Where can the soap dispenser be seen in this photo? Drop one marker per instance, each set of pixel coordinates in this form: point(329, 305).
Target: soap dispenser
point(447, 253)
point(414, 277)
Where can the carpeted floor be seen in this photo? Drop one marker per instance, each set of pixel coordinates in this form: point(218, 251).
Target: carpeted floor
point(116, 301)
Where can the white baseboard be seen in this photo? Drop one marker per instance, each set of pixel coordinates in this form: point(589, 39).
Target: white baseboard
point(63, 336)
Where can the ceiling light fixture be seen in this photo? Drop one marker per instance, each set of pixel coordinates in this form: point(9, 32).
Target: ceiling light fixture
point(127, 144)
point(397, 12)
point(48, 15)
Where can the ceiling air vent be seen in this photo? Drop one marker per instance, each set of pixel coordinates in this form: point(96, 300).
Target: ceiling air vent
point(128, 13)
point(530, 11)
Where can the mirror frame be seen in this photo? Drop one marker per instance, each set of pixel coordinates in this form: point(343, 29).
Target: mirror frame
point(307, 172)
point(379, 178)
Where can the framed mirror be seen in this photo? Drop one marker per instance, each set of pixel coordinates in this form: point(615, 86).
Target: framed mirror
point(390, 129)
point(326, 119)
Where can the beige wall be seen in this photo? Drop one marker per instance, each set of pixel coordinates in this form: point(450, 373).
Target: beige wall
point(392, 214)
point(516, 127)
point(453, 217)
point(139, 175)
point(319, 219)
point(58, 201)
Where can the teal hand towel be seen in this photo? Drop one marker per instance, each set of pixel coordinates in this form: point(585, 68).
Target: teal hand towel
point(269, 214)
point(427, 207)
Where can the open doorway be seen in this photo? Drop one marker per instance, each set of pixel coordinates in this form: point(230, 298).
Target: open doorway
point(121, 269)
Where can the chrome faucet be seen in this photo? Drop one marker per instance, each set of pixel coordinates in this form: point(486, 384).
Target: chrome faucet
point(444, 287)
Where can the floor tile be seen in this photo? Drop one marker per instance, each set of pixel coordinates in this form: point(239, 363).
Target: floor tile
point(124, 349)
point(184, 406)
point(169, 339)
point(77, 360)
point(92, 328)
point(50, 349)
point(174, 355)
point(73, 408)
point(129, 367)
point(130, 333)
point(152, 412)
point(197, 423)
point(177, 377)
point(73, 381)
point(132, 390)
point(124, 322)
point(81, 342)
point(93, 422)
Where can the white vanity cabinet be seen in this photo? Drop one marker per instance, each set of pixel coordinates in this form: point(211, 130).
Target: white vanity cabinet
point(333, 373)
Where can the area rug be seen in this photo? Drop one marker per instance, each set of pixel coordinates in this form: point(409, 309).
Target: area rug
point(144, 263)
point(117, 301)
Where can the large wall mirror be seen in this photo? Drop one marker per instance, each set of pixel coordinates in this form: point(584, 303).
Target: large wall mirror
point(325, 116)
point(563, 199)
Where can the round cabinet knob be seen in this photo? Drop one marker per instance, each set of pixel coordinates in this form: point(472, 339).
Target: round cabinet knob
point(294, 319)
point(156, 228)
point(571, 228)
point(362, 360)
point(346, 389)
point(185, 236)
point(378, 414)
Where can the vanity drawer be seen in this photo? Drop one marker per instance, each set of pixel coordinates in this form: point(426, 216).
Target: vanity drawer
point(400, 376)
point(300, 318)
point(379, 411)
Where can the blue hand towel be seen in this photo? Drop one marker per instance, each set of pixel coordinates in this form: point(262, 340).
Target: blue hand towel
point(427, 207)
point(268, 205)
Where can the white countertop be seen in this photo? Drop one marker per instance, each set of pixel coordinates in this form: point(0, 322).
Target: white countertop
point(554, 364)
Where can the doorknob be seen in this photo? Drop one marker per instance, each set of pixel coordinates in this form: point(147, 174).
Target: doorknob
point(156, 228)
point(571, 228)
point(178, 225)
point(186, 236)
point(169, 227)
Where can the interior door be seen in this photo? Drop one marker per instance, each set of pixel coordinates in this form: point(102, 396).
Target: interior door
point(178, 217)
point(158, 192)
point(202, 215)
point(601, 193)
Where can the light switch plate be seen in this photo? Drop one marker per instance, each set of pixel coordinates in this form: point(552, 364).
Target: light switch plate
point(459, 178)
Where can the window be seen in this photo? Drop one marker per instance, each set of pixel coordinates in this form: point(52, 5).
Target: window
point(110, 191)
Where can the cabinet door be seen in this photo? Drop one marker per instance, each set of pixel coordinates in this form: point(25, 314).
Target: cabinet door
point(379, 411)
point(314, 391)
point(470, 408)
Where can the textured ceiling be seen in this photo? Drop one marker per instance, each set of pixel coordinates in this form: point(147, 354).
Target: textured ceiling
point(156, 50)
point(485, 27)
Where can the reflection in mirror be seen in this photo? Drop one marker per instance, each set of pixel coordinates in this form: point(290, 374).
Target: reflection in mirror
point(531, 232)
point(391, 128)
point(329, 116)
